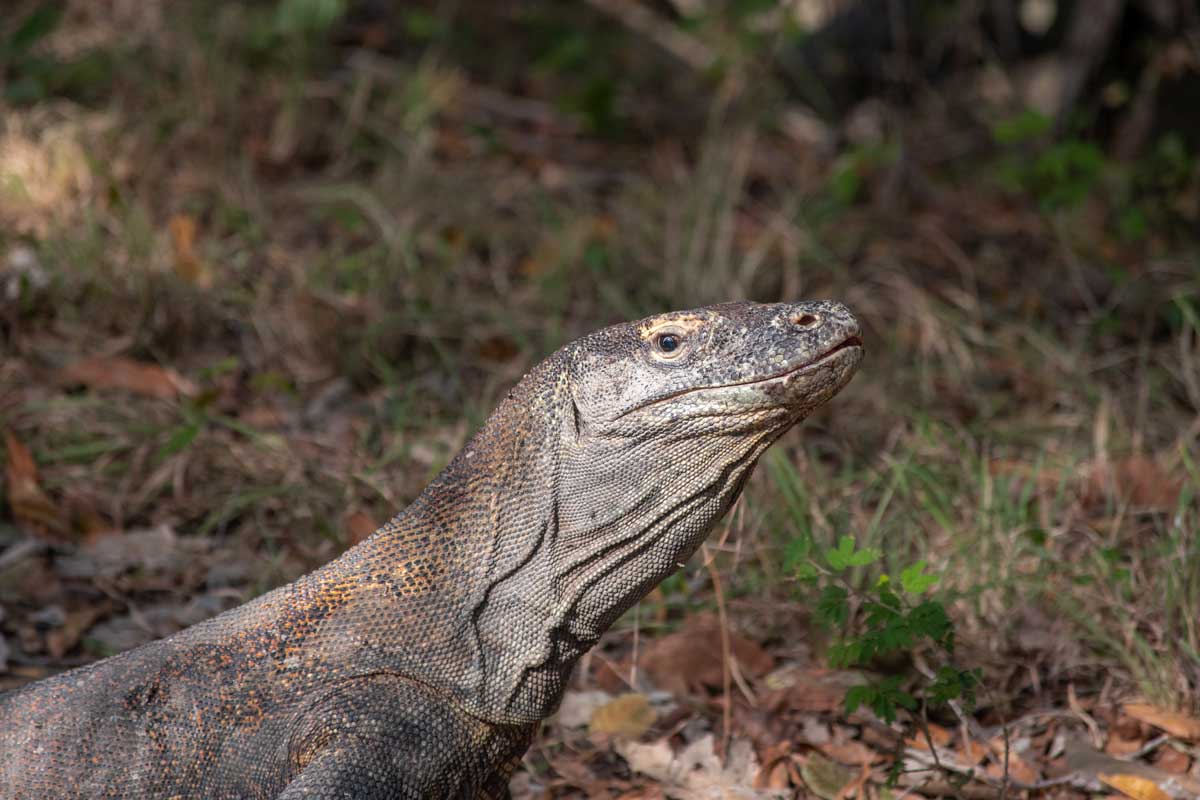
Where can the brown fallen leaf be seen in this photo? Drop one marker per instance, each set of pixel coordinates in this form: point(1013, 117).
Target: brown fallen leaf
point(809, 689)
point(971, 752)
point(188, 265)
point(1083, 759)
point(824, 778)
point(1135, 786)
point(1018, 769)
point(498, 349)
point(31, 507)
point(358, 525)
point(687, 659)
point(940, 736)
point(93, 525)
point(60, 640)
point(1119, 746)
point(696, 771)
point(773, 774)
point(261, 416)
point(1175, 762)
point(850, 753)
point(137, 377)
point(627, 716)
point(1138, 479)
point(643, 793)
point(1173, 722)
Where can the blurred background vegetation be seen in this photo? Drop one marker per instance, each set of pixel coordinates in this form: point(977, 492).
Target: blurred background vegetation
point(264, 265)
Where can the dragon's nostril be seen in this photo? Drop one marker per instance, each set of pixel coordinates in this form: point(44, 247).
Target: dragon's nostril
point(806, 321)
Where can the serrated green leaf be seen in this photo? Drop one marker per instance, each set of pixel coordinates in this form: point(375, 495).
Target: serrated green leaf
point(930, 619)
point(879, 614)
point(896, 635)
point(839, 557)
point(797, 552)
point(884, 708)
point(914, 580)
point(888, 598)
point(868, 555)
point(846, 654)
point(857, 696)
point(832, 606)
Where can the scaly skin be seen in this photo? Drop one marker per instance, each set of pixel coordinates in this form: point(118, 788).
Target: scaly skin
point(419, 663)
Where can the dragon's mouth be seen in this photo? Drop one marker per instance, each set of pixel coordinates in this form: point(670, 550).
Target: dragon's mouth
point(846, 344)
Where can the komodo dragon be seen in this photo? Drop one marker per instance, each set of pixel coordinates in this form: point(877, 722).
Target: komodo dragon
point(419, 663)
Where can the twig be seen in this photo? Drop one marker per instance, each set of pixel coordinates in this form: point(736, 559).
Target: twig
point(633, 661)
point(1084, 717)
point(1148, 747)
point(726, 655)
point(20, 551)
point(949, 765)
point(916, 787)
point(740, 679)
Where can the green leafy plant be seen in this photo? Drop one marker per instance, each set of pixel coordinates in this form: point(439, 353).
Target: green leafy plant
point(1059, 173)
point(895, 615)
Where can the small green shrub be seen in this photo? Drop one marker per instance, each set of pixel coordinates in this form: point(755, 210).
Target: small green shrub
point(894, 615)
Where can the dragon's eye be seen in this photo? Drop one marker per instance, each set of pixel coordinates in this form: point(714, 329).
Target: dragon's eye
point(668, 342)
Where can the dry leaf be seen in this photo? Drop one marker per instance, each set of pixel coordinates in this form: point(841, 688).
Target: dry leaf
point(971, 752)
point(137, 377)
point(643, 793)
point(498, 349)
point(824, 778)
point(1173, 722)
point(262, 416)
point(1119, 746)
point(60, 640)
point(93, 525)
point(1018, 769)
point(147, 551)
point(31, 507)
point(1139, 480)
point(577, 708)
point(689, 658)
point(696, 772)
point(774, 778)
point(940, 736)
point(188, 265)
point(1135, 786)
point(358, 526)
point(816, 690)
point(773, 774)
point(851, 753)
point(1168, 759)
point(628, 716)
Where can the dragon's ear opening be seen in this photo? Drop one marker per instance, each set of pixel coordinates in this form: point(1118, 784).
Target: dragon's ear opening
point(577, 423)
